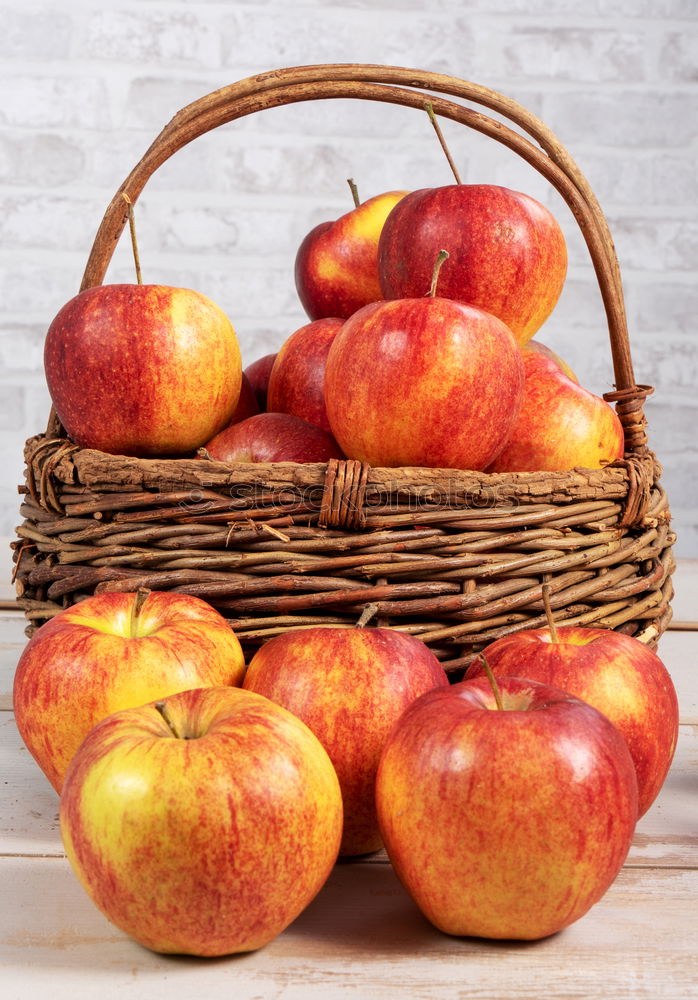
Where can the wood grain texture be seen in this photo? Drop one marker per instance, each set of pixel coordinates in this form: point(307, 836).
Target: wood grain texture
point(362, 937)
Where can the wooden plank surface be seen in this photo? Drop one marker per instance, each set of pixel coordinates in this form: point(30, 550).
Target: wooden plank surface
point(362, 937)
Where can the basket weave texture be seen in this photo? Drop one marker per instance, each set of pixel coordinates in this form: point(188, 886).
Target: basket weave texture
point(456, 557)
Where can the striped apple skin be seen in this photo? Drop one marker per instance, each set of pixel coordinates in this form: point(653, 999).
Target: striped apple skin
point(507, 252)
point(144, 370)
point(423, 382)
point(349, 685)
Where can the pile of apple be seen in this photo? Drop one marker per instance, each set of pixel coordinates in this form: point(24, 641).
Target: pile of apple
point(203, 803)
point(419, 351)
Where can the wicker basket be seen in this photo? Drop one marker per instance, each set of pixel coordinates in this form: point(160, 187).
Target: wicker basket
point(455, 557)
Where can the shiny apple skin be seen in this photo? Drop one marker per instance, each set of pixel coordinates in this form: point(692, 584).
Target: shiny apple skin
point(296, 383)
point(560, 426)
point(144, 370)
point(507, 253)
point(423, 382)
point(336, 267)
point(617, 674)
point(247, 403)
point(273, 437)
point(349, 685)
point(258, 373)
point(83, 665)
point(505, 824)
point(210, 842)
point(538, 347)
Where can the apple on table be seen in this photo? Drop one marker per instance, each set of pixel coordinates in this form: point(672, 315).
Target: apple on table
point(336, 266)
point(114, 651)
point(616, 673)
point(203, 823)
point(507, 814)
point(273, 437)
point(143, 370)
point(507, 253)
point(349, 685)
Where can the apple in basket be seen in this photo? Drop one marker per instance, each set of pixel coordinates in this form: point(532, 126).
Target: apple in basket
point(507, 252)
point(257, 373)
point(509, 818)
point(273, 437)
point(203, 823)
point(617, 674)
point(561, 425)
point(247, 402)
point(350, 685)
point(114, 651)
point(143, 370)
point(296, 382)
point(538, 347)
point(423, 382)
point(336, 267)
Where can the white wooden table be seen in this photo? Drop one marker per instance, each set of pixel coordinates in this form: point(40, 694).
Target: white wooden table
point(362, 937)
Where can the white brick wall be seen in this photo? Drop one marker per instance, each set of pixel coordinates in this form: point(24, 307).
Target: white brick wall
point(85, 86)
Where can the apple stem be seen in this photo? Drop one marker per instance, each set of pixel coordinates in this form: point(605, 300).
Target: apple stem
point(134, 241)
point(161, 707)
point(354, 191)
point(429, 108)
point(440, 258)
point(549, 612)
point(493, 681)
point(141, 596)
point(366, 615)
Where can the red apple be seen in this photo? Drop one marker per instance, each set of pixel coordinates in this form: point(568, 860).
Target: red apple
point(258, 375)
point(507, 252)
point(336, 265)
point(618, 675)
point(349, 685)
point(115, 651)
point(423, 382)
point(297, 378)
point(505, 823)
point(204, 823)
point(142, 369)
point(247, 403)
point(273, 437)
point(560, 425)
point(539, 348)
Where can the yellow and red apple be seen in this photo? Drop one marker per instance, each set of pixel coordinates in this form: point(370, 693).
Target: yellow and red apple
point(204, 823)
point(114, 651)
point(561, 425)
point(349, 685)
point(423, 382)
point(336, 267)
point(617, 674)
point(507, 253)
point(505, 822)
point(540, 348)
point(142, 370)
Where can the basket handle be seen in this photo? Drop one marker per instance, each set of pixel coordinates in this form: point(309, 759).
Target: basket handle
point(378, 83)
